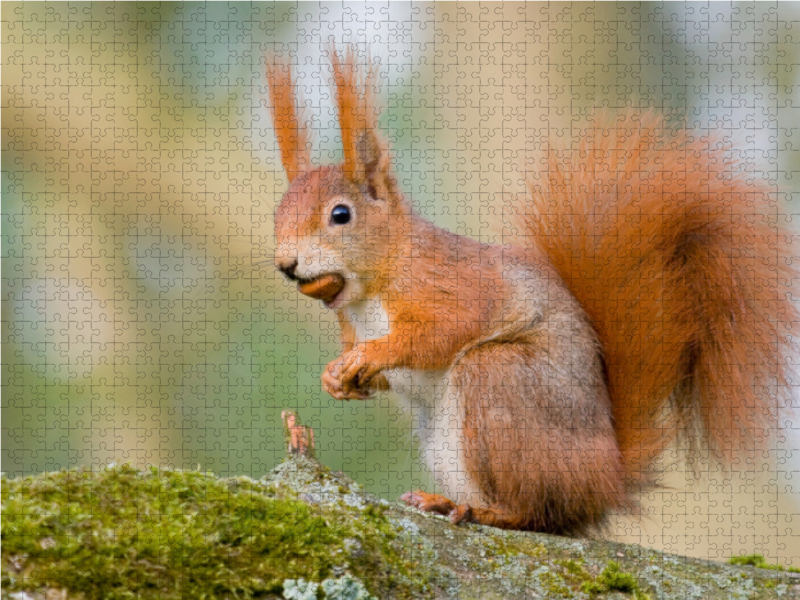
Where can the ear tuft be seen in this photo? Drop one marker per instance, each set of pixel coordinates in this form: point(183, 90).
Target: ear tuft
point(366, 153)
point(353, 79)
point(290, 123)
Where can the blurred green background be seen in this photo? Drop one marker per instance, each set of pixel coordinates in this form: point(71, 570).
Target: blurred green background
point(143, 321)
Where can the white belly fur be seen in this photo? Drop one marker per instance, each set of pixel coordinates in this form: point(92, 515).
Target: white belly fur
point(435, 413)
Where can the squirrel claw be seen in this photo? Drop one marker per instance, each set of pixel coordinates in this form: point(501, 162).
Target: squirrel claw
point(332, 383)
point(461, 514)
point(354, 372)
point(429, 502)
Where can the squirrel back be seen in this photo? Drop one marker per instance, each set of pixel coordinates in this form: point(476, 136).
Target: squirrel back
point(675, 253)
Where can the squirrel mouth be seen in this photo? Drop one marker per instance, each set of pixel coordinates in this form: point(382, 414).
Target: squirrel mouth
point(327, 287)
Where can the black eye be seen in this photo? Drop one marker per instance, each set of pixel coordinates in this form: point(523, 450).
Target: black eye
point(340, 214)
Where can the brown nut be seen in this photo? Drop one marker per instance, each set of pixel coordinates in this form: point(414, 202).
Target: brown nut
point(323, 288)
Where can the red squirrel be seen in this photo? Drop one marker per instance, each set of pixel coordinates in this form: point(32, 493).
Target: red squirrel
point(648, 301)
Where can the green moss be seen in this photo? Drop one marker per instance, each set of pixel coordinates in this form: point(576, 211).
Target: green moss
point(555, 586)
point(121, 533)
point(756, 560)
point(539, 551)
point(614, 579)
point(574, 574)
point(753, 560)
point(574, 570)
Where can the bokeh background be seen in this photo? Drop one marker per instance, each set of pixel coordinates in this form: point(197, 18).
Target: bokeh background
point(142, 319)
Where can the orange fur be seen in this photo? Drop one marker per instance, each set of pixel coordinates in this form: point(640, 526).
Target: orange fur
point(354, 101)
point(443, 305)
point(290, 128)
point(676, 255)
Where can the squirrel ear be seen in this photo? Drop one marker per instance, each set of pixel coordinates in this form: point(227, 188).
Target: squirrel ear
point(366, 153)
point(373, 165)
point(291, 129)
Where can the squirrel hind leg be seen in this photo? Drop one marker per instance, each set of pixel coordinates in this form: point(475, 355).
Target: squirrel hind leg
point(464, 513)
point(536, 438)
point(493, 516)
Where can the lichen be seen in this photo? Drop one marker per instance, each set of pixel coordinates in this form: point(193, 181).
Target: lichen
point(300, 589)
point(345, 588)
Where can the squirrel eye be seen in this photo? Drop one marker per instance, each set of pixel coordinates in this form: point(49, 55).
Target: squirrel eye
point(340, 214)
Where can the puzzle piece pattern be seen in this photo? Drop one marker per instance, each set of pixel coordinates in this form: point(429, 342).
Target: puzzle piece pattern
point(143, 321)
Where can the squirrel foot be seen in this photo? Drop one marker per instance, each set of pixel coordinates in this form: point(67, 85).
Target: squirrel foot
point(493, 516)
point(438, 504)
point(429, 502)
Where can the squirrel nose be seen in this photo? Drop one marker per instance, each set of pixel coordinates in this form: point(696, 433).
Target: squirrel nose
point(289, 270)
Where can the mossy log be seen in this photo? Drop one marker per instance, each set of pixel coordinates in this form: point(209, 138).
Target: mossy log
point(305, 532)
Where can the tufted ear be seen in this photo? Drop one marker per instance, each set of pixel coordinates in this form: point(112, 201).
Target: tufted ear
point(352, 89)
point(290, 127)
point(374, 164)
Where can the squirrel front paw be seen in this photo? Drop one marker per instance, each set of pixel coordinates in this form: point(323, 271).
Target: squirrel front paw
point(332, 383)
point(357, 371)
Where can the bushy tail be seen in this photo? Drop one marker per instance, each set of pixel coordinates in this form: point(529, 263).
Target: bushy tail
point(685, 266)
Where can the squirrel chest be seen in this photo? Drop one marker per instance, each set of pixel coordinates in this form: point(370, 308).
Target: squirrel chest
point(419, 390)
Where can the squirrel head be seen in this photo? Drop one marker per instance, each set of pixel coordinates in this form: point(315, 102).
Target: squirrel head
point(335, 226)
